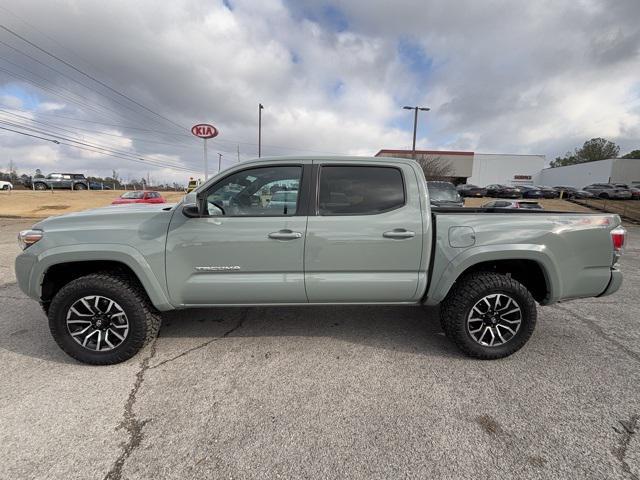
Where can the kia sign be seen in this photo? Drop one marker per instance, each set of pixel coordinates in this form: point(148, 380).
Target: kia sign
point(204, 130)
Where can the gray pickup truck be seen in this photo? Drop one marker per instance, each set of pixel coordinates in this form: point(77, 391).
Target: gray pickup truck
point(350, 230)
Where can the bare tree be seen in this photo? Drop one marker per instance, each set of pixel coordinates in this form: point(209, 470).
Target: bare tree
point(435, 167)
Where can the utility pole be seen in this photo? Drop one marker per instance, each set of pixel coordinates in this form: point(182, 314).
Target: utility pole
point(260, 107)
point(238, 153)
point(219, 162)
point(415, 125)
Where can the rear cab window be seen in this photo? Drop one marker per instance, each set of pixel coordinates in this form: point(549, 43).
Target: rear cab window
point(360, 190)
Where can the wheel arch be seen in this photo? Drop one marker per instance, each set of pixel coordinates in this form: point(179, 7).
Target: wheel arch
point(531, 265)
point(56, 269)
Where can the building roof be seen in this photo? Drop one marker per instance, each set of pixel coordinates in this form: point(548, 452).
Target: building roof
point(423, 152)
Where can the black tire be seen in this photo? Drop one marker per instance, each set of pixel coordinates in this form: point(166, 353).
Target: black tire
point(470, 290)
point(144, 321)
point(40, 186)
point(79, 186)
point(604, 196)
point(5, 187)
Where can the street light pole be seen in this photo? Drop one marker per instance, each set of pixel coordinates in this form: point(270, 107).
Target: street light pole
point(219, 162)
point(415, 124)
point(260, 107)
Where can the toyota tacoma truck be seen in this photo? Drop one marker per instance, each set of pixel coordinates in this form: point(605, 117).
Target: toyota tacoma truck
point(352, 231)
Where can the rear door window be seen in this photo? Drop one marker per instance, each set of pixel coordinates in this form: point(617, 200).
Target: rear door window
point(359, 190)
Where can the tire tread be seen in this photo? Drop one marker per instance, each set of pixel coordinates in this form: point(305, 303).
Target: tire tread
point(116, 281)
point(463, 295)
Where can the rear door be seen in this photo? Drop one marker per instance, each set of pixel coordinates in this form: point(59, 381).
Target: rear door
point(365, 235)
point(244, 251)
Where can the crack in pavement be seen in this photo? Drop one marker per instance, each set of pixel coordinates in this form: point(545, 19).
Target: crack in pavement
point(628, 430)
point(207, 343)
point(130, 422)
point(598, 331)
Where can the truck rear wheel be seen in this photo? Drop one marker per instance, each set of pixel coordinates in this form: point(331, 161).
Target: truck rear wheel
point(488, 315)
point(102, 319)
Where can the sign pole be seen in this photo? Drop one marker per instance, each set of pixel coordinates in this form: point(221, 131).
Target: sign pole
point(205, 131)
point(206, 163)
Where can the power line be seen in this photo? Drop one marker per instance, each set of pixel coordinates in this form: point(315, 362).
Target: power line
point(53, 125)
point(96, 147)
point(63, 74)
point(90, 105)
point(73, 67)
point(95, 151)
point(49, 89)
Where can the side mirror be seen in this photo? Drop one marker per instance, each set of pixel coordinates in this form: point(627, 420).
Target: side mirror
point(191, 210)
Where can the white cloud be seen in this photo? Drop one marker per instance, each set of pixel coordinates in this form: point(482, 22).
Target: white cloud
point(531, 77)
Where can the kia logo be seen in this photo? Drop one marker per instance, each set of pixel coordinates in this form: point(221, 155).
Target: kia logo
point(204, 130)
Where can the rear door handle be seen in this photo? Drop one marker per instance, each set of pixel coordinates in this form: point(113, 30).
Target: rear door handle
point(285, 235)
point(399, 234)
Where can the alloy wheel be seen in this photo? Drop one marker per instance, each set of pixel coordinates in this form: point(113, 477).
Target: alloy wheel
point(494, 320)
point(97, 323)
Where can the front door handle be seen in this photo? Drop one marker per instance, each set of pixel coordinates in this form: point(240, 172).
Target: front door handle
point(399, 234)
point(285, 235)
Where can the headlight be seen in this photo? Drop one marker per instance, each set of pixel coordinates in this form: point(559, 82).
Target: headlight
point(26, 238)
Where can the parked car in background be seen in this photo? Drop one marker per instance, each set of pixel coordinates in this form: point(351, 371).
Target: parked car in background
point(502, 191)
point(469, 190)
point(139, 196)
point(528, 191)
point(565, 191)
point(99, 186)
point(6, 185)
point(283, 202)
point(528, 204)
point(607, 190)
point(72, 181)
point(635, 191)
point(444, 194)
point(572, 192)
point(548, 192)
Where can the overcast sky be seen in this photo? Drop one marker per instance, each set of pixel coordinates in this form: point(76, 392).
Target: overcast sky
point(499, 76)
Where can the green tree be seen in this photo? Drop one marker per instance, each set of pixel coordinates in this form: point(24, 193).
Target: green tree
point(591, 151)
point(632, 154)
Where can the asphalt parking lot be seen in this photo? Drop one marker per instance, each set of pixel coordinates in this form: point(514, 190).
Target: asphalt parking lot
point(332, 392)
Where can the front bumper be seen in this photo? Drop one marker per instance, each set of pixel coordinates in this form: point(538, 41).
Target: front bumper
point(614, 283)
point(24, 266)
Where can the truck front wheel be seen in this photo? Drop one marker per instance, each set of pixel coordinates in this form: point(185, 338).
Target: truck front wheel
point(488, 315)
point(102, 319)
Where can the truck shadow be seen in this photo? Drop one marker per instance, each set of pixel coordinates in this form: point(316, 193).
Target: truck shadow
point(404, 329)
point(407, 329)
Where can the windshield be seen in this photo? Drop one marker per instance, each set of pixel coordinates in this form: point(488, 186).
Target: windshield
point(442, 191)
point(132, 195)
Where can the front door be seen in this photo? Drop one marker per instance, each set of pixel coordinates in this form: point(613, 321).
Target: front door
point(365, 239)
point(247, 249)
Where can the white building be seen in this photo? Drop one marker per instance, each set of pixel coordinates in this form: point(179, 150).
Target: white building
point(481, 168)
point(613, 170)
point(504, 168)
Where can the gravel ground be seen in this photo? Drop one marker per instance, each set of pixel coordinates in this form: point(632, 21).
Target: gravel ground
point(332, 392)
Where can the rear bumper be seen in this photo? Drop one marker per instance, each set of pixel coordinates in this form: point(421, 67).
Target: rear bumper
point(614, 283)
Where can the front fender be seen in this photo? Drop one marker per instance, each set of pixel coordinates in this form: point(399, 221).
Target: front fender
point(125, 254)
point(459, 264)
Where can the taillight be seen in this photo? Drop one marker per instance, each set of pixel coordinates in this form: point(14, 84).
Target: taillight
point(618, 236)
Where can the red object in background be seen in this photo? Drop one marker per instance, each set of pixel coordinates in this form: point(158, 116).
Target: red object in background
point(139, 196)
